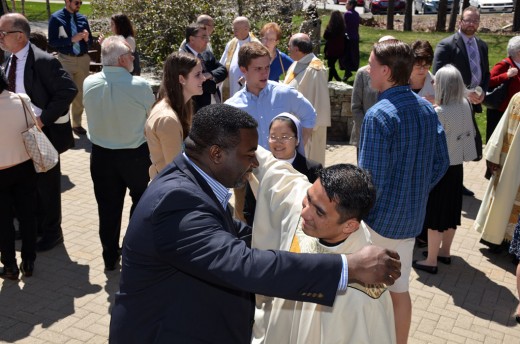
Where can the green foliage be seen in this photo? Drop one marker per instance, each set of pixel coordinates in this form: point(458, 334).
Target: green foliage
point(37, 11)
point(161, 25)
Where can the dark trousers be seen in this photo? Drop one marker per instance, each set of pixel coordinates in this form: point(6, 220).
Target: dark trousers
point(49, 203)
point(18, 196)
point(113, 171)
point(333, 73)
point(493, 117)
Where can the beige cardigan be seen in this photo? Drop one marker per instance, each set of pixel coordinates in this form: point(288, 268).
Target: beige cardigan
point(163, 131)
point(12, 123)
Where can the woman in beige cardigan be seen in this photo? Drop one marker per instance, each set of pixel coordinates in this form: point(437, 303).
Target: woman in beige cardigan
point(17, 184)
point(170, 119)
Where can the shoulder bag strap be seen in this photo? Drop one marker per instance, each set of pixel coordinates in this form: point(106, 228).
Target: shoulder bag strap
point(25, 110)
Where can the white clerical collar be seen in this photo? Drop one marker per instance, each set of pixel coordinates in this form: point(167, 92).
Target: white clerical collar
point(191, 49)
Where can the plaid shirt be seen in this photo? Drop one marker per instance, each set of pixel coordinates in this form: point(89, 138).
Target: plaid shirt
point(403, 145)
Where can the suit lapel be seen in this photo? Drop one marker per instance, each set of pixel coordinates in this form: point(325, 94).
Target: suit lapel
point(27, 74)
point(197, 178)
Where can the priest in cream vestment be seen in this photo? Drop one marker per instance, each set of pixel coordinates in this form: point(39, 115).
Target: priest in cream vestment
point(500, 207)
point(364, 314)
point(309, 76)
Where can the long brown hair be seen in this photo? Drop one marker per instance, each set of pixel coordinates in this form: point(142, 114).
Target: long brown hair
point(178, 63)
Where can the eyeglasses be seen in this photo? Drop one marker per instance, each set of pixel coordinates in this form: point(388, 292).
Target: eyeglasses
point(204, 37)
point(5, 33)
point(283, 139)
point(422, 67)
point(471, 21)
point(265, 39)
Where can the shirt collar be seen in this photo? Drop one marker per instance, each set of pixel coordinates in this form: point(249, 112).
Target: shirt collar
point(467, 39)
point(22, 53)
point(221, 192)
point(191, 49)
point(395, 89)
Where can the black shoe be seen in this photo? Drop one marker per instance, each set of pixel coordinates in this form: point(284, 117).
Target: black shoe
point(467, 192)
point(427, 268)
point(27, 268)
point(45, 244)
point(79, 130)
point(112, 266)
point(443, 260)
point(10, 272)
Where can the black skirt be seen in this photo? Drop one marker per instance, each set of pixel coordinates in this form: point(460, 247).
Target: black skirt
point(445, 201)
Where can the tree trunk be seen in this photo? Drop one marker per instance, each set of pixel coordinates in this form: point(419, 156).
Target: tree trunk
point(4, 6)
point(390, 15)
point(408, 16)
point(453, 16)
point(516, 17)
point(48, 6)
point(23, 7)
point(465, 4)
point(13, 6)
point(441, 16)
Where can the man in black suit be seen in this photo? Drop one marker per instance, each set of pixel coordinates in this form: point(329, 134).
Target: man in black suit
point(188, 273)
point(469, 54)
point(197, 40)
point(42, 78)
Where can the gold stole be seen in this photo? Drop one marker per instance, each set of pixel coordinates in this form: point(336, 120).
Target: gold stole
point(373, 290)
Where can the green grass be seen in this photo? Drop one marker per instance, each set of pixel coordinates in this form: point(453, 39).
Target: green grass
point(37, 11)
point(497, 48)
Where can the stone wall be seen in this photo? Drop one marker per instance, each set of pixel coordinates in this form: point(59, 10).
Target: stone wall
point(341, 116)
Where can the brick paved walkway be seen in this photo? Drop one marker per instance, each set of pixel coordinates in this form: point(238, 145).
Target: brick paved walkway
point(68, 300)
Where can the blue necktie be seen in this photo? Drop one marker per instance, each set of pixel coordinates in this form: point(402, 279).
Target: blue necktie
point(76, 49)
point(475, 69)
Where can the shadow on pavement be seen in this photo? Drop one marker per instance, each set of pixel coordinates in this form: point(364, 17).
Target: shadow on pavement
point(473, 291)
point(46, 298)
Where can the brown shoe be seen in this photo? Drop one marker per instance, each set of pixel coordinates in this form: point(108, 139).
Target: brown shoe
point(79, 130)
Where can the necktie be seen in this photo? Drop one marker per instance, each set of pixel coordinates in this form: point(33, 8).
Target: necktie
point(11, 77)
point(475, 70)
point(76, 49)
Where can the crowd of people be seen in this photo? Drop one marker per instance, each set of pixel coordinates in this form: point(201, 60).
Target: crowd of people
point(256, 120)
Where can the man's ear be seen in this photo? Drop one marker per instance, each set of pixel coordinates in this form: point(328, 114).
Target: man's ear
point(216, 154)
point(350, 226)
point(243, 70)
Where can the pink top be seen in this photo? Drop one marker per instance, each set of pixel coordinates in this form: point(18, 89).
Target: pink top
point(12, 123)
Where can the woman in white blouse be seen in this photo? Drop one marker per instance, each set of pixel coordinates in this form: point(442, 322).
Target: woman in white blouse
point(445, 200)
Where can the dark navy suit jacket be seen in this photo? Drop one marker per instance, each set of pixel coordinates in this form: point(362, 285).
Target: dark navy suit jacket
point(188, 273)
point(452, 50)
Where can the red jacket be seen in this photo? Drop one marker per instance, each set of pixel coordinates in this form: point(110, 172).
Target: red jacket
point(499, 75)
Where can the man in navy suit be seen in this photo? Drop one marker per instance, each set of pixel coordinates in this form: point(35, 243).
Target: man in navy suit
point(188, 272)
point(197, 39)
point(43, 79)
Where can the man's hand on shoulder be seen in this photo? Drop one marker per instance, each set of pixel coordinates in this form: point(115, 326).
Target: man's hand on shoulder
point(373, 264)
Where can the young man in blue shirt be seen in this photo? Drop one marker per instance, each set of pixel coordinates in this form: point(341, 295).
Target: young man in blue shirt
point(403, 145)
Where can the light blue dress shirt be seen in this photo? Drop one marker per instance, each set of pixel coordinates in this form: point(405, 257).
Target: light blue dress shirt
point(117, 104)
point(274, 99)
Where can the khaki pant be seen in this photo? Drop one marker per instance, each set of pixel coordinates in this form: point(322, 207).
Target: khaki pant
point(79, 69)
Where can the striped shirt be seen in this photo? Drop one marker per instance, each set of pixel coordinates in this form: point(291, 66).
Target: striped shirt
point(403, 145)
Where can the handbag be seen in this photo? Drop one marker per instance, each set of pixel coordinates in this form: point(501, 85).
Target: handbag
point(38, 147)
point(496, 96)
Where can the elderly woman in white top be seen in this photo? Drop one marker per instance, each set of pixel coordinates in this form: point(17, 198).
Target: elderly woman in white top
point(445, 200)
point(17, 185)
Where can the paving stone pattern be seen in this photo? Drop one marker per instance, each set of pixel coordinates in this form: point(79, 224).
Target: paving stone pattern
point(69, 297)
